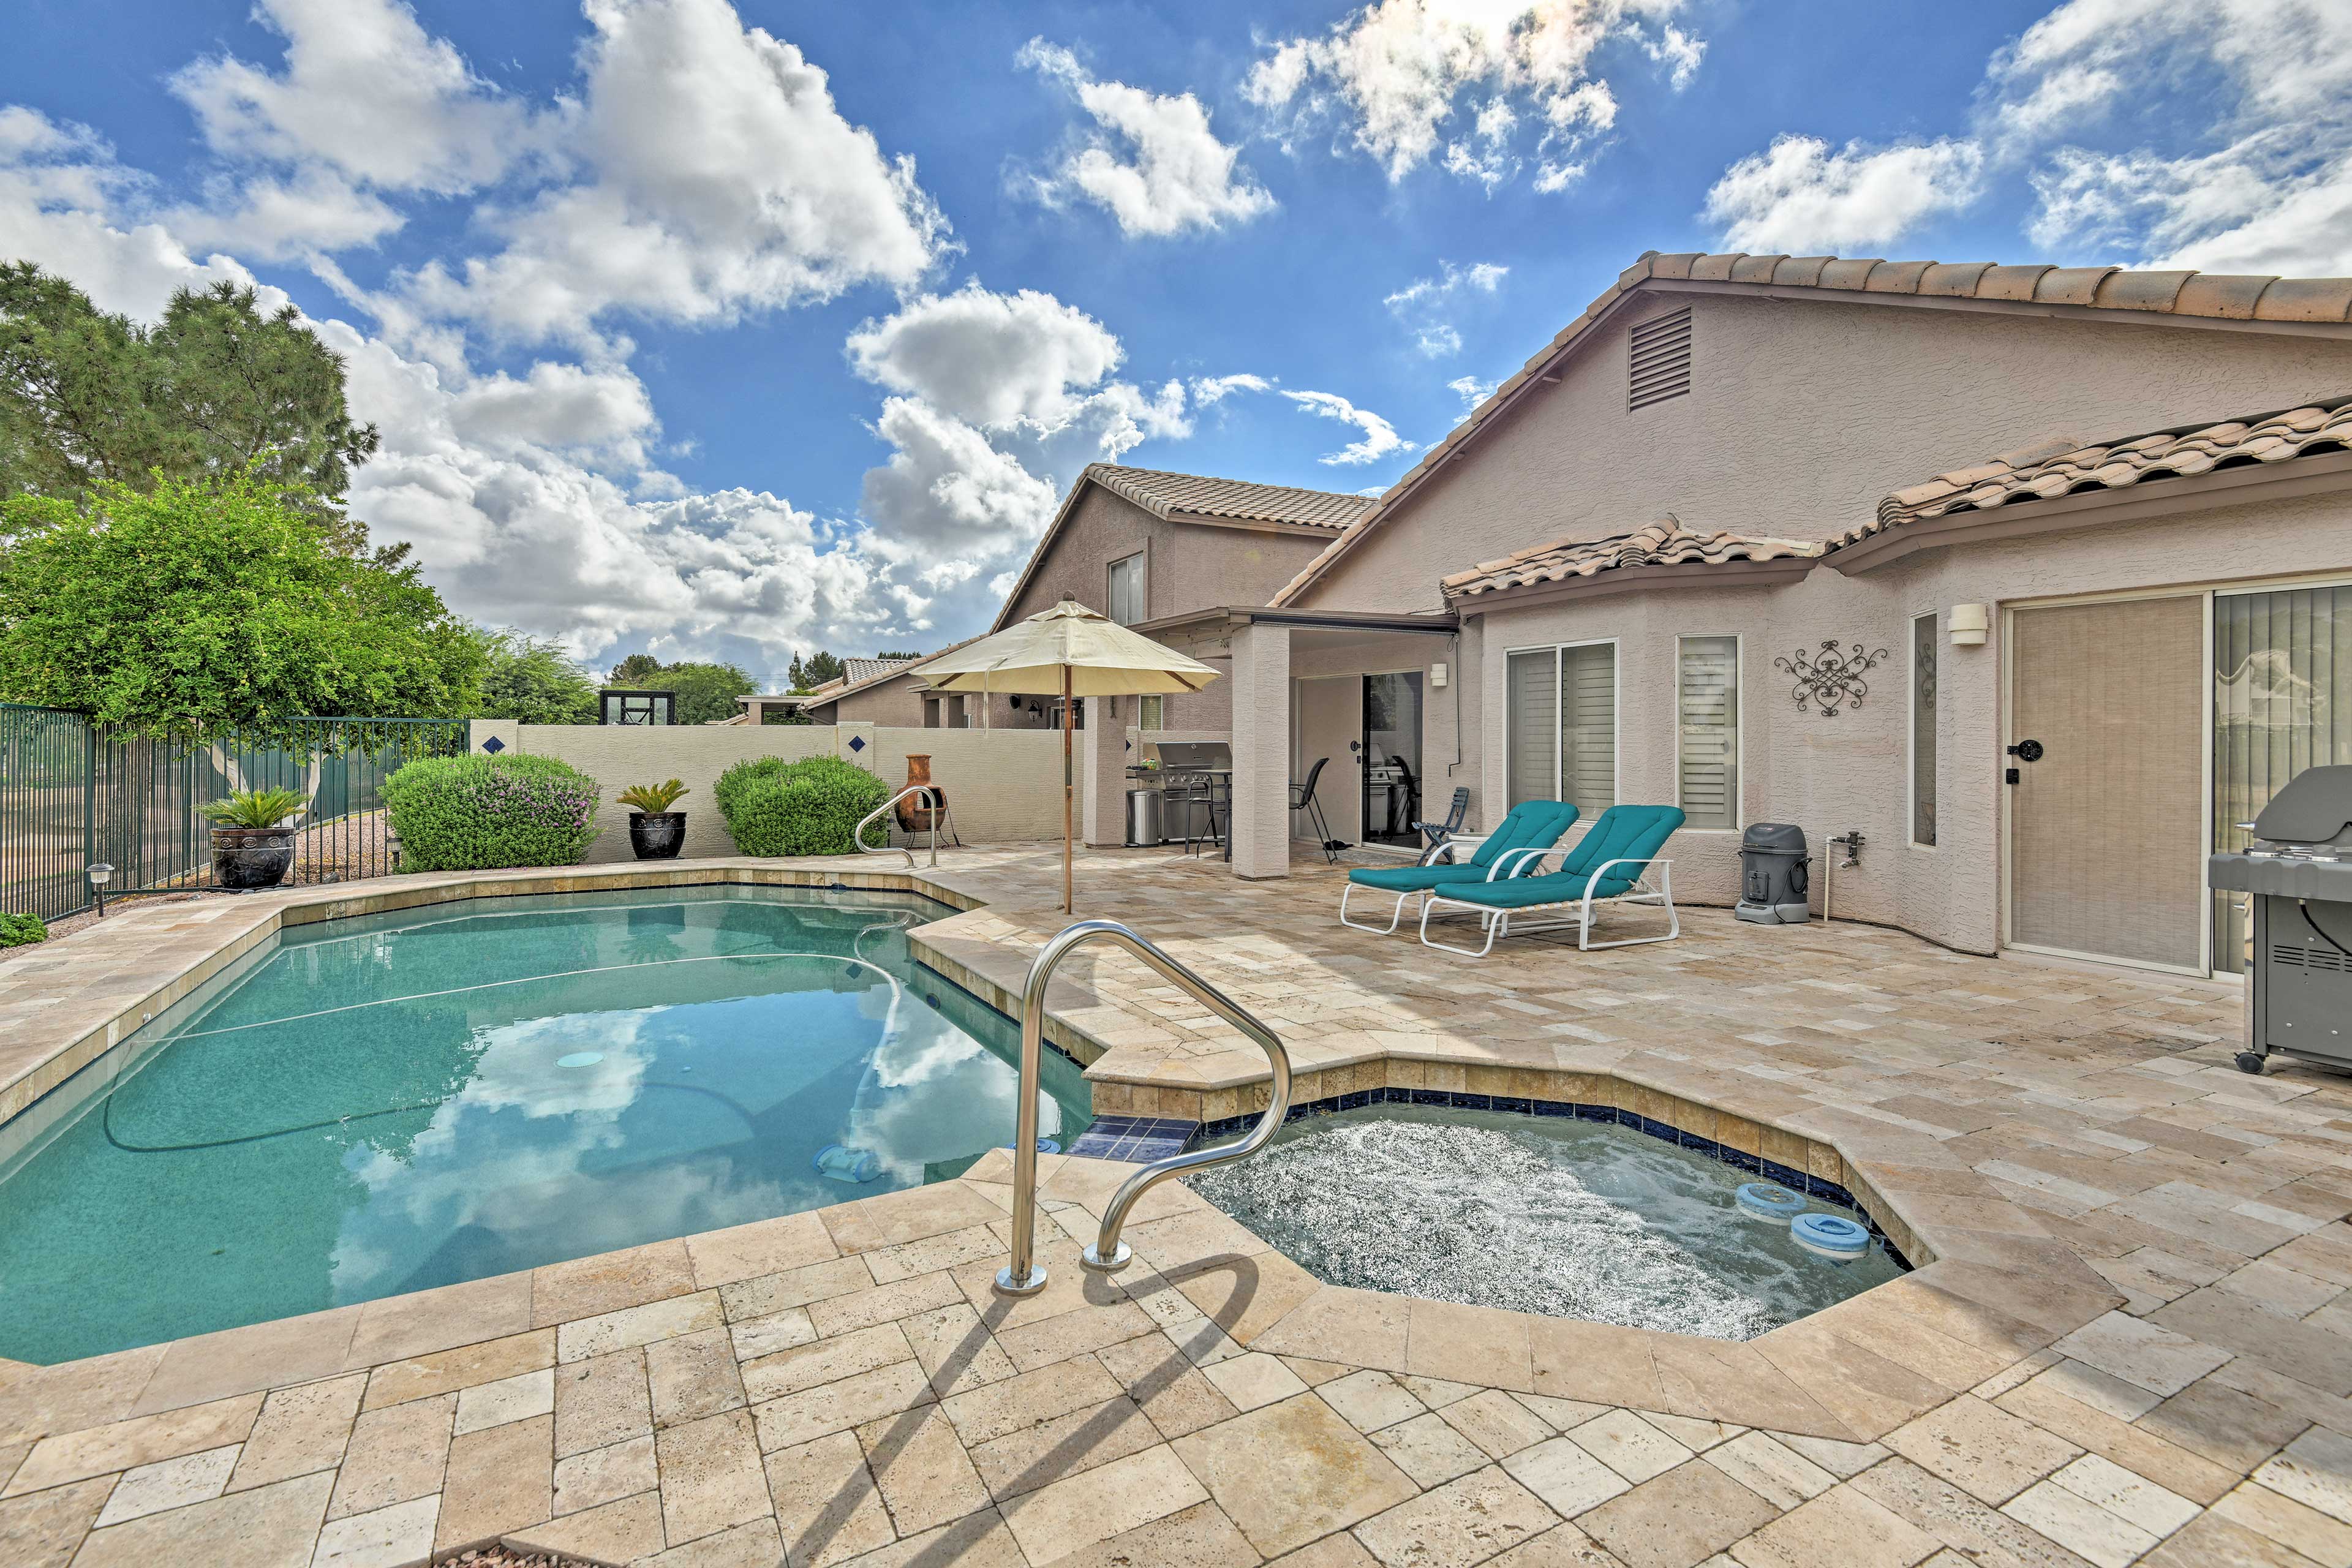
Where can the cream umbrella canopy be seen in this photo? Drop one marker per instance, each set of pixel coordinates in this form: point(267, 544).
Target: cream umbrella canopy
point(1068, 651)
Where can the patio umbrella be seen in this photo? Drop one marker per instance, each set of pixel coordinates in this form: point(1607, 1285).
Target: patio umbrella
point(1068, 651)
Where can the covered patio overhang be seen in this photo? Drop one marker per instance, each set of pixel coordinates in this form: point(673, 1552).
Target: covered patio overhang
point(1350, 687)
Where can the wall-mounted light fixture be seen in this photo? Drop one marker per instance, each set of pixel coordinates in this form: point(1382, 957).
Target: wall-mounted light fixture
point(100, 875)
point(1968, 625)
point(1437, 678)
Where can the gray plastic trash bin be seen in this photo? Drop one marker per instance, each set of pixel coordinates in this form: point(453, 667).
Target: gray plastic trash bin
point(1773, 876)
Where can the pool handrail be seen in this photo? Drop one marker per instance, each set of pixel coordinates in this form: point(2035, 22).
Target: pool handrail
point(1024, 1275)
point(857, 835)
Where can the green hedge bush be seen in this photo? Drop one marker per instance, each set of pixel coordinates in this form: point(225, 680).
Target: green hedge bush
point(808, 807)
point(22, 930)
point(471, 814)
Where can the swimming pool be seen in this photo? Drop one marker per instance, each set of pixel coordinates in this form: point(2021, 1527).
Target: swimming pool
point(1568, 1219)
point(372, 1105)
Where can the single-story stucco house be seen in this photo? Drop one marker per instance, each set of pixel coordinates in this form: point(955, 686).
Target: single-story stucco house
point(2039, 578)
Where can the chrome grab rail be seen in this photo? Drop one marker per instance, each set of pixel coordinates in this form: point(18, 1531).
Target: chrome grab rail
point(1025, 1276)
point(857, 835)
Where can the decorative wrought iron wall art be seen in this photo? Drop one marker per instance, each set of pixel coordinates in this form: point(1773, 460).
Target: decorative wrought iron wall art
point(1828, 679)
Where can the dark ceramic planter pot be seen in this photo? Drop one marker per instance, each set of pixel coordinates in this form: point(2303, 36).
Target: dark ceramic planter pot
point(657, 835)
point(250, 857)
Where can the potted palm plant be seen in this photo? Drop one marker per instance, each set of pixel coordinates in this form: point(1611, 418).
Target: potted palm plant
point(253, 842)
point(656, 832)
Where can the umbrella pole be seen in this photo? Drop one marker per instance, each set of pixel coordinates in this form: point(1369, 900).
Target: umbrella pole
point(1066, 705)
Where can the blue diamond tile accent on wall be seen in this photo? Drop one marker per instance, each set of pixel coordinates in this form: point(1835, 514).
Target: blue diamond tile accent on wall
point(857, 742)
point(494, 745)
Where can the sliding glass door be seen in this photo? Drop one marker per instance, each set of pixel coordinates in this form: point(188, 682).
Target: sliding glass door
point(2282, 703)
point(1562, 724)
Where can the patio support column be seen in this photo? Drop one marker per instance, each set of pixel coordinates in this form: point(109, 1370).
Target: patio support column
point(1261, 802)
point(1102, 773)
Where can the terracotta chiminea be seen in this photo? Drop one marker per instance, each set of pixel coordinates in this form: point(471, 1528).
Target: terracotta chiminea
point(914, 817)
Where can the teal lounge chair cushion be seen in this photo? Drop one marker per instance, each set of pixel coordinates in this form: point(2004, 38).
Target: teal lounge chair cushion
point(1415, 878)
point(1629, 833)
point(1530, 825)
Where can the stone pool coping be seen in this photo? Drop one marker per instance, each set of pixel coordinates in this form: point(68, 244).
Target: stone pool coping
point(1928, 1207)
point(506, 1352)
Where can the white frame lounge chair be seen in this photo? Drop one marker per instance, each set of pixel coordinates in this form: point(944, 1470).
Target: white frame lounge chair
point(1517, 844)
point(1642, 830)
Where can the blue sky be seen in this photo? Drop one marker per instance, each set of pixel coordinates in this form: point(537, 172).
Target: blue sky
point(738, 329)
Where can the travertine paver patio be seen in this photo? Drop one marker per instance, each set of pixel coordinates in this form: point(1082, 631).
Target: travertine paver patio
point(2134, 1342)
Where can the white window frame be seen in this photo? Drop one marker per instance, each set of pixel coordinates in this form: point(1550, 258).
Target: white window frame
point(1617, 710)
point(1150, 717)
point(1739, 726)
point(1143, 560)
point(1911, 729)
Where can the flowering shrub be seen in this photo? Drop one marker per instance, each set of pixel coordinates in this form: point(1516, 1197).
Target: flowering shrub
point(466, 814)
point(808, 807)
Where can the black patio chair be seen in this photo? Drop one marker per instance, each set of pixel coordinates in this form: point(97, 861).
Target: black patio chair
point(1302, 798)
point(1406, 801)
point(1437, 833)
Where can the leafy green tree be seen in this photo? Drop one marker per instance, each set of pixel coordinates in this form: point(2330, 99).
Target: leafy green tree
point(533, 682)
point(910, 654)
point(809, 674)
point(636, 670)
point(217, 387)
point(705, 691)
point(221, 602)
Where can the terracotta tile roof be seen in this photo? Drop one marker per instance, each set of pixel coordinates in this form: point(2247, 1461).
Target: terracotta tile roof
point(1666, 542)
point(1165, 495)
point(2066, 465)
point(2321, 301)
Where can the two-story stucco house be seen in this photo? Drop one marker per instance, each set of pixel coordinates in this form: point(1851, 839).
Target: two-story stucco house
point(1820, 540)
point(1135, 543)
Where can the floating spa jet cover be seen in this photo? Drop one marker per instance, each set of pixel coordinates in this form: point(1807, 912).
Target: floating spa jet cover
point(1764, 1200)
point(1833, 1237)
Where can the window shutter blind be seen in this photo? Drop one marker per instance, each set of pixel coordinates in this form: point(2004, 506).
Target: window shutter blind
point(1923, 729)
point(1706, 695)
point(1535, 725)
point(1587, 736)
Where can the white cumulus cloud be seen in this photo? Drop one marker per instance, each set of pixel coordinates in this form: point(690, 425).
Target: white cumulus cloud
point(1426, 305)
point(1402, 76)
point(2263, 183)
point(1151, 161)
point(1376, 437)
point(1799, 196)
point(999, 400)
point(719, 176)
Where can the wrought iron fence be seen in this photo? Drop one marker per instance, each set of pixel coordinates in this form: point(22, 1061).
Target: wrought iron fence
point(74, 792)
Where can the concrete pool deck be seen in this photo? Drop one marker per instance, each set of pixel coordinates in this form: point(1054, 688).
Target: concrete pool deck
point(2131, 1339)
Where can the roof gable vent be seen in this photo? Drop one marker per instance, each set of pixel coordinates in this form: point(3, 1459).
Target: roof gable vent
point(1661, 359)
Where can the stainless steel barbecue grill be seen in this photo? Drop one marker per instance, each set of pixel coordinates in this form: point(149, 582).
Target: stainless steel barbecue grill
point(2299, 871)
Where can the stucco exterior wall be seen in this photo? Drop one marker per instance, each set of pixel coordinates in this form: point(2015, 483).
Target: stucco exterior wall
point(1003, 788)
point(1851, 772)
point(1803, 415)
point(898, 701)
point(1187, 566)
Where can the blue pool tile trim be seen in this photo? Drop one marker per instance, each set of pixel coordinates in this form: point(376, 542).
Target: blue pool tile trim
point(1796, 1181)
point(1134, 1138)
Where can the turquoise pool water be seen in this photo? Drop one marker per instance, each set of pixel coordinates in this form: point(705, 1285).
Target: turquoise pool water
point(378, 1105)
